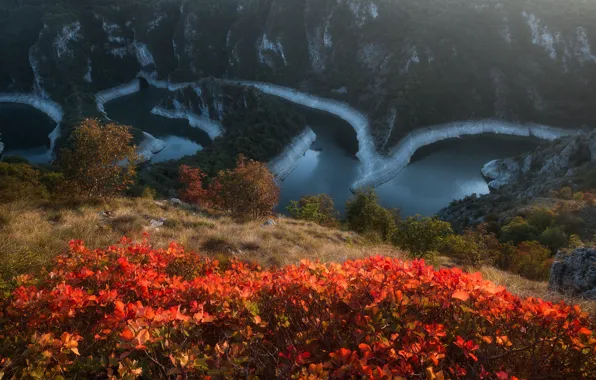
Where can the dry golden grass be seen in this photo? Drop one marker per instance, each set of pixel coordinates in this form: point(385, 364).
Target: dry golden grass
point(527, 288)
point(30, 236)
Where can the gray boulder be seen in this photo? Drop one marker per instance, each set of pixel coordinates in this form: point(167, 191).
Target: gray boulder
point(575, 274)
point(269, 222)
point(157, 223)
point(499, 173)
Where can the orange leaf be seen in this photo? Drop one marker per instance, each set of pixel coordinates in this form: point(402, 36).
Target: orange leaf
point(461, 295)
point(143, 337)
point(127, 334)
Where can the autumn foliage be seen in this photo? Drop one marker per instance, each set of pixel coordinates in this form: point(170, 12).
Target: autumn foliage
point(193, 180)
point(248, 191)
point(134, 311)
point(101, 161)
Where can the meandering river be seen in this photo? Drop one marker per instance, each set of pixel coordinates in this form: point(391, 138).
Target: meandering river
point(436, 175)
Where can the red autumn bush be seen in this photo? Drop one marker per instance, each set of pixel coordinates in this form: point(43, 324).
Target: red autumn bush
point(193, 190)
point(248, 191)
point(127, 312)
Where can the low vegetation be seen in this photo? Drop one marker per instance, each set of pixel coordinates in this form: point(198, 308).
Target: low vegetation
point(132, 310)
point(247, 192)
point(319, 209)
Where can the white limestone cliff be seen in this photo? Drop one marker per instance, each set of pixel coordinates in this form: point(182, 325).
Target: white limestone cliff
point(149, 147)
point(102, 97)
point(282, 165)
point(212, 128)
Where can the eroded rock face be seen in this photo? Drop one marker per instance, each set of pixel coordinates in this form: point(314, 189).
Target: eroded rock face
point(499, 173)
point(575, 274)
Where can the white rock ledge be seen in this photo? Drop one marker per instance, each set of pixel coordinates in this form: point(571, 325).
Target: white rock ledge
point(282, 165)
point(388, 167)
point(212, 128)
point(149, 147)
point(377, 169)
point(47, 106)
point(102, 97)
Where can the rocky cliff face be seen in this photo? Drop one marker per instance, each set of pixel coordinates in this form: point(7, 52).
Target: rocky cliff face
point(516, 181)
point(575, 273)
point(405, 64)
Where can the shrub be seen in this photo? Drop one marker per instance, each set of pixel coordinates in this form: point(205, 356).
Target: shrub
point(421, 235)
point(192, 180)
point(517, 231)
point(100, 163)
point(366, 216)
point(505, 256)
point(148, 193)
point(553, 238)
point(575, 242)
point(570, 223)
point(566, 193)
point(20, 181)
point(319, 209)
point(475, 247)
point(579, 196)
point(541, 219)
point(249, 191)
point(132, 311)
point(531, 260)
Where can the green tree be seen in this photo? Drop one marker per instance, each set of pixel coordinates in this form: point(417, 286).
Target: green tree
point(553, 238)
point(541, 219)
point(319, 209)
point(531, 260)
point(475, 247)
point(422, 235)
point(366, 216)
point(101, 162)
point(517, 231)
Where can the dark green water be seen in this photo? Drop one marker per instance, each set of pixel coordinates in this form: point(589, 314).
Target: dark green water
point(25, 131)
point(135, 110)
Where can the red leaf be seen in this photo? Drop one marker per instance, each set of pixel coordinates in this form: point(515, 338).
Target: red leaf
point(585, 331)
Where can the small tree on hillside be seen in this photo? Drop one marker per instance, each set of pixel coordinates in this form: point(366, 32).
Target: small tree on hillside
point(101, 162)
point(316, 208)
point(366, 216)
point(192, 180)
point(247, 192)
point(421, 235)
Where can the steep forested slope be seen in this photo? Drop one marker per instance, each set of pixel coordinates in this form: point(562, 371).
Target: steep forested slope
point(406, 64)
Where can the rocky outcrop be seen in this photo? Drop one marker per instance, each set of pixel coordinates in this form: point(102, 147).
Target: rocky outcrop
point(282, 165)
point(499, 173)
point(563, 159)
point(575, 273)
point(518, 181)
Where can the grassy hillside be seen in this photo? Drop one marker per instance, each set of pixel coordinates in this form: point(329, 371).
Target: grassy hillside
point(33, 234)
